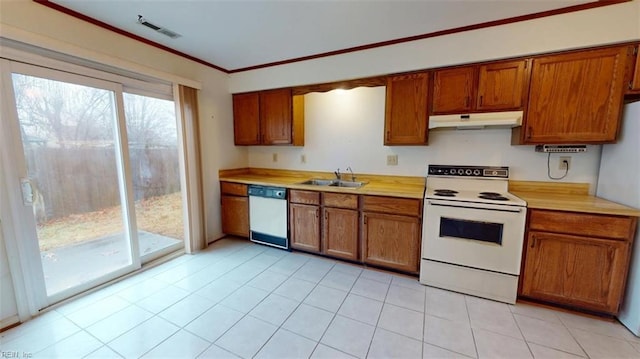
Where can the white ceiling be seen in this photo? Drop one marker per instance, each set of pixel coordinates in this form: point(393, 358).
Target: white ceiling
point(238, 34)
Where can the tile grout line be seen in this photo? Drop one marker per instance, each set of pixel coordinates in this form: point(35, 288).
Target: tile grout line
point(298, 306)
point(380, 315)
point(473, 335)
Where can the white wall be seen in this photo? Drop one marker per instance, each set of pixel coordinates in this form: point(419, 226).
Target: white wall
point(27, 21)
point(601, 25)
point(620, 182)
point(346, 128)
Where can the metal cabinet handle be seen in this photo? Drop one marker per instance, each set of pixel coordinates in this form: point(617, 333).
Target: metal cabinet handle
point(317, 213)
point(481, 98)
point(529, 132)
point(533, 241)
point(365, 219)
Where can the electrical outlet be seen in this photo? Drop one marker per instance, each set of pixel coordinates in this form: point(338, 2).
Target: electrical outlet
point(275, 157)
point(561, 163)
point(392, 160)
point(303, 158)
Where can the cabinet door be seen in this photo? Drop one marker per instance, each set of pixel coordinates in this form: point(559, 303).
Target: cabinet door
point(246, 119)
point(276, 117)
point(453, 90)
point(634, 86)
point(304, 225)
point(235, 215)
point(576, 97)
point(340, 233)
point(501, 86)
point(406, 110)
point(579, 271)
point(391, 241)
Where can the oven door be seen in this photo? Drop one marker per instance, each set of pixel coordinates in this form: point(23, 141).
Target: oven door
point(482, 236)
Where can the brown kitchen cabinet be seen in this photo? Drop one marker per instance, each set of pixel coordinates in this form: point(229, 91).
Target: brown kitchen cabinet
point(634, 84)
point(575, 97)
point(391, 232)
point(496, 86)
point(273, 117)
point(577, 260)
point(501, 86)
point(454, 90)
point(235, 209)
point(406, 115)
point(340, 226)
point(324, 223)
point(304, 220)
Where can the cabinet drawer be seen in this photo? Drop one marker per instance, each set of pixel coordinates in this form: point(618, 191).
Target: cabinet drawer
point(393, 205)
point(304, 197)
point(340, 200)
point(591, 225)
point(236, 189)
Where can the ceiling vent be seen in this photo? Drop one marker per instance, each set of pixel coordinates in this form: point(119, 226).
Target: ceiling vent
point(162, 30)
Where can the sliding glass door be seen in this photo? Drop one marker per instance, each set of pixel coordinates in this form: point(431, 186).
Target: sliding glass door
point(99, 178)
point(155, 169)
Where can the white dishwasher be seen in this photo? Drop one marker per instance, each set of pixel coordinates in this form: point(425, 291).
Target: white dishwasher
point(268, 216)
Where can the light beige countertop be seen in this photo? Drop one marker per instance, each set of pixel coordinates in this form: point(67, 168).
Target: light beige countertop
point(573, 197)
point(392, 186)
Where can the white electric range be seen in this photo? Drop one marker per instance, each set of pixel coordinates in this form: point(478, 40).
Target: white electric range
point(473, 232)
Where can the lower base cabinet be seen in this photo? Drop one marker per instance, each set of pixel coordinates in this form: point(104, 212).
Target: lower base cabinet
point(340, 233)
point(381, 231)
point(235, 209)
point(578, 271)
point(235, 215)
point(391, 241)
point(577, 260)
point(304, 227)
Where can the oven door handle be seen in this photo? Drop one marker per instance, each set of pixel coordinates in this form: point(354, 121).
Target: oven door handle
point(514, 210)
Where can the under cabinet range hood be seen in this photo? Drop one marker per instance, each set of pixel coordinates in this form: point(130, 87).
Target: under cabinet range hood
point(476, 121)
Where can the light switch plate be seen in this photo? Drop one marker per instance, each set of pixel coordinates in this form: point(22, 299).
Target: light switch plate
point(392, 160)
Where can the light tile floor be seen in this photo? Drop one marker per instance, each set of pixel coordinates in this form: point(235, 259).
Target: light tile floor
point(239, 299)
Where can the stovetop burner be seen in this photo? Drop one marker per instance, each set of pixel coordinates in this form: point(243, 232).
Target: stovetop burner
point(491, 194)
point(450, 191)
point(480, 185)
point(444, 192)
point(496, 197)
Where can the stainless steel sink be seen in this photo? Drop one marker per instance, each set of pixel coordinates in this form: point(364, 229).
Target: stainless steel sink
point(333, 183)
point(348, 184)
point(319, 182)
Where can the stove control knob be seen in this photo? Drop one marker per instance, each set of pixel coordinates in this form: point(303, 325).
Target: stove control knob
point(476, 172)
point(468, 172)
point(460, 171)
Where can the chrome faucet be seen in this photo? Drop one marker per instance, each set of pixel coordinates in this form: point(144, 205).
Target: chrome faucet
point(338, 175)
point(353, 177)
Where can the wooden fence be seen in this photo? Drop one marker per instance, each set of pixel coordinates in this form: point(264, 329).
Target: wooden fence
point(78, 180)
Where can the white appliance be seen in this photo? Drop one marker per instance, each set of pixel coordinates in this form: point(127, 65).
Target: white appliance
point(477, 120)
point(472, 232)
point(268, 216)
point(619, 181)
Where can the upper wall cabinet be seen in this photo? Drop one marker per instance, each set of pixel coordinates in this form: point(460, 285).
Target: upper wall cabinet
point(454, 90)
point(406, 110)
point(273, 117)
point(634, 84)
point(575, 97)
point(246, 118)
point(501, 86)
point(489, 87)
